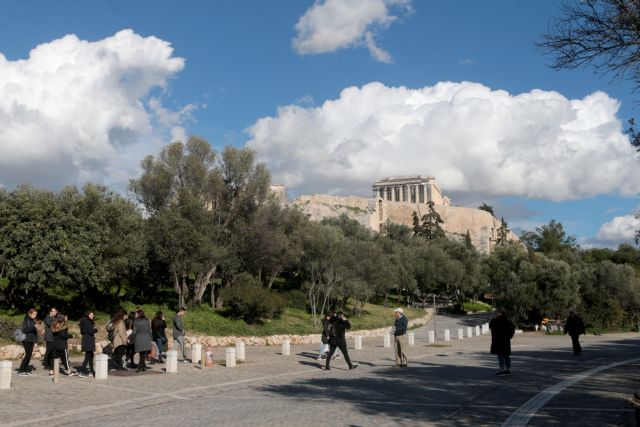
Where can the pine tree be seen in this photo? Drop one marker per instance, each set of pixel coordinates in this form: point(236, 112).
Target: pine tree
point(503, 233)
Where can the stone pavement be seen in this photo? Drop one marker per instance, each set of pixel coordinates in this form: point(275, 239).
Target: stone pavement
point(444, 386)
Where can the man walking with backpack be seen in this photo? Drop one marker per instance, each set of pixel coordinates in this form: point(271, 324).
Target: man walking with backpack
point(337, 339)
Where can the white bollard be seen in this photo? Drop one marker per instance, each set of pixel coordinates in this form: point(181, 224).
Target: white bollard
point(460, 334)
point(358, 345)
point(486, 328)
point(412, 338)
point(172, 362)
point(477, 331)
point(5, 374)
point(230, 360)
point(447, 335)
point(102, 366)
point(387, 340)
point(432, 337)
point(286, 347)
point(469, 331)
point(196, 353)
point(240, 351)
point(56, 370)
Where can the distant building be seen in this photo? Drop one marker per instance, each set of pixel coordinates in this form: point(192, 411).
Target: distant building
point(410, 189)
point(280, 192)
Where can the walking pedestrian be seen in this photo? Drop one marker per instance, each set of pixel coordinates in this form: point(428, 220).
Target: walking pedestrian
point(337, 339)
point(49, 320)
point(324, 344)
point(61, 337)
point(31, 337)
point(502, 330)
point(574, 326)
point(158, 329)
point(179, 334)
point(400, 337)
point(119, 339)
point(142, 338)
point(88, 344)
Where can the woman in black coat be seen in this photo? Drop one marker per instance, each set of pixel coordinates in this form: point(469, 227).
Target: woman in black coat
point(502, 330)
point(142, 338)
point(30, 332)
point(88, 344)
point(61, 336)
point(159, 332)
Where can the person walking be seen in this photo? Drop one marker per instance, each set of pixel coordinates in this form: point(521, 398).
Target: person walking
point(158, 330)
point(400, 337)
point(574, 326)
point(142, 338)
point(88, 344)
point(61, 337)
point(31, 337)
point(324, 344)
point(179, 334)
point(119, 340)
point(337, 339)
point(502, 330)
point(49, 320)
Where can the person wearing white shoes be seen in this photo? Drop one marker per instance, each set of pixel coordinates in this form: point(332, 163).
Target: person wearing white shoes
point(28, 328)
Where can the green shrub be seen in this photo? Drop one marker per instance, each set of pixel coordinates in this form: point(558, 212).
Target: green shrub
point(296, 299)
point(249, 301)
point(475, 306)
point(7, 327)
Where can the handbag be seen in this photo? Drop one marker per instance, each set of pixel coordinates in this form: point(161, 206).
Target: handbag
point(19, 335)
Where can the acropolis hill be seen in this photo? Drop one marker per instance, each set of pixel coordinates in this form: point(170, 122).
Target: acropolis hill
point(395, 199)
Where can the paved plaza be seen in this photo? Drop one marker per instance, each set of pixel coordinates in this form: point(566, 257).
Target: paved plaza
point(452, 385)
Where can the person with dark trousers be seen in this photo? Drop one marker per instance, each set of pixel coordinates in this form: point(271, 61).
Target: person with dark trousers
point(49, 320)
point(574, 326)
point(337, 339)
point(159, 333)
point(502, 330)
point(142, 338)
point(88, 343)
point(31, 337)
point(119, 340)
point(400, 337)
point(130, 350)
point(179, 333)
point(61, 337)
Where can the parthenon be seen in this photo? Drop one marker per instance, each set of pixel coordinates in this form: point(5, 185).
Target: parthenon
point(410, 189)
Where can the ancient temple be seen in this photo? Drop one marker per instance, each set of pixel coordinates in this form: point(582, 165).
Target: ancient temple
point(410, 189)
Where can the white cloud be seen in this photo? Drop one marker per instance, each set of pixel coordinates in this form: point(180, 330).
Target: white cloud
point(621, 229)
point(77, 111)
point(331, 25)
point(474, 140)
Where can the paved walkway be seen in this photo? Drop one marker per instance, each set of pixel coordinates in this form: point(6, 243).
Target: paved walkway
point(444, 386)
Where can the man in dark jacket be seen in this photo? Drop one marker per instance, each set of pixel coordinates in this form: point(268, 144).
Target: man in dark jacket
point(400, 337)
point(502, 330)
point(48, 337)
point(574, 326)
point(179, 334)
point(337, 339)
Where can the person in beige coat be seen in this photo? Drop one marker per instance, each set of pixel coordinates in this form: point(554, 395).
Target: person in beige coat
point(119, 340)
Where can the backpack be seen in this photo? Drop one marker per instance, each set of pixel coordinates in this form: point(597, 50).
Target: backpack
point(19, 335)
point(111, 331)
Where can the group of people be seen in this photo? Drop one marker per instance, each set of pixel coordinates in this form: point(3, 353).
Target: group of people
point(128, 335)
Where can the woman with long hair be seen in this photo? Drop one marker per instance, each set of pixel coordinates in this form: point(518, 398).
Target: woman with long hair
point(130, 350)
point(158, 330)
point(88, 344)
point(142, 338)
point(61, 336)
point(119, 340)
point(29, 329)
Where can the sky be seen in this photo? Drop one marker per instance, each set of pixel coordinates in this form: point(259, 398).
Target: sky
point(331, 94)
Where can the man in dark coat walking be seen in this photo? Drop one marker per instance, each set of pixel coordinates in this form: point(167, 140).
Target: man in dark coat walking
point(49, 320)
point(337, 339)
point(502, 330)
point(574, 326)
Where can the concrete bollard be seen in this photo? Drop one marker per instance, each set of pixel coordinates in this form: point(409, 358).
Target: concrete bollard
point(196, 352)
point(286, 347)
point(172, 362)
point(469, 331)
point(358, 345)
point(412, 338)
point(240, 351)
point(387, 340)
point(203, 358)
point(460, 334)
point(230, 360)
point(447, 335)
point(102, 366)
point(56, 370)
point(486, 328)
point(6, 367)
point(477, 331)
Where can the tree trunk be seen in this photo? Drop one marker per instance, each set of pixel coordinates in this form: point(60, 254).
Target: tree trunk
point(200, 286)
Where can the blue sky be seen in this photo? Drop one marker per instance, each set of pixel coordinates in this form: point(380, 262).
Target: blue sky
point(240, 64)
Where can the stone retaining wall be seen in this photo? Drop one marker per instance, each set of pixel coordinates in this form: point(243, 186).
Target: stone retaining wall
point(14, 352)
